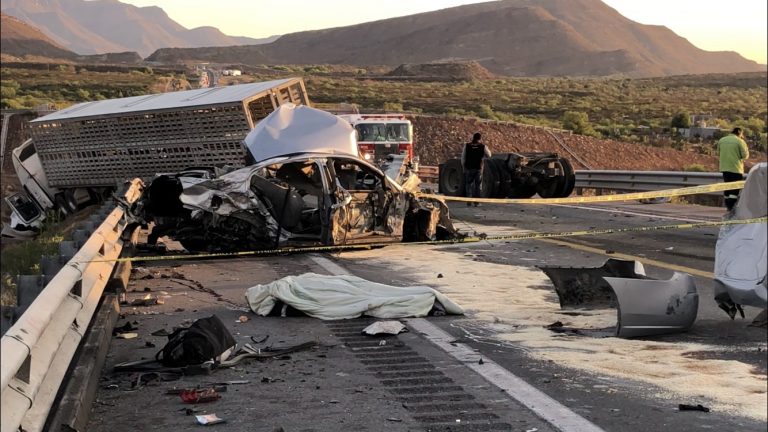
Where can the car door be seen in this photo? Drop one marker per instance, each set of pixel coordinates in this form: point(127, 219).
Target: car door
point(364, 204)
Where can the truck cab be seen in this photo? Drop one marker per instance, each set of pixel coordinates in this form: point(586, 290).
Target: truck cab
point(380, 135)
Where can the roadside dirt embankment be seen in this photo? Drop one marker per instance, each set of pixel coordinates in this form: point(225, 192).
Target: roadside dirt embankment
point(438, 139)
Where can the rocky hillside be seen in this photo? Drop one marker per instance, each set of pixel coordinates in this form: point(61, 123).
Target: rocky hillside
point(21, 40)
point(442, 71)
point(507, 37)
point(437, 139)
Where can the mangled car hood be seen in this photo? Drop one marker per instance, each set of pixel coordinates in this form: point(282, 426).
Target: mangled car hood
point(298, 129)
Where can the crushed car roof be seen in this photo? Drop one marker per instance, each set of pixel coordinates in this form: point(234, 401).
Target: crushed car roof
point(294, 129)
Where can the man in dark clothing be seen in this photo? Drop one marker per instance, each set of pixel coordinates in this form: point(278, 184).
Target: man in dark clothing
point(472, 161)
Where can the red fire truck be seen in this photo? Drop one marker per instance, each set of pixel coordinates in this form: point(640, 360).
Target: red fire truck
point(379, 135)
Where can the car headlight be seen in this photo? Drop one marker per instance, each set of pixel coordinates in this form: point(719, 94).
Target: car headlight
point(367, 156)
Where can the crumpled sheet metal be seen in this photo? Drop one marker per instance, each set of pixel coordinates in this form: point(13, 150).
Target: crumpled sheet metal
point(579, 287)
point(741, 252)
point(653, 307)
point(645, 306)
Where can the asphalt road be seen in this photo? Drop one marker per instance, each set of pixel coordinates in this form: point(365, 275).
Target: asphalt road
point(602, 391)
point(617, 384)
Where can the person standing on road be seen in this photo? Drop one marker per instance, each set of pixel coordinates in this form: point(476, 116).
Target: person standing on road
point(472, 162)
point(733, 152)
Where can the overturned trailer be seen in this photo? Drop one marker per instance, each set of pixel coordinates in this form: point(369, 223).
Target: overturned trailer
point(80, 154)
point(307, 186)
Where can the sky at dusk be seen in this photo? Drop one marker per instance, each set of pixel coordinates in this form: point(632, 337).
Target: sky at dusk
point(713, 25)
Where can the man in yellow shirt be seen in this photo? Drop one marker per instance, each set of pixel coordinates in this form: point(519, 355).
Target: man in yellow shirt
point(733, 152)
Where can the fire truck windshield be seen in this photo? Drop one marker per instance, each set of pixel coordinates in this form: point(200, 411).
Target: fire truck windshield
point(379, 132)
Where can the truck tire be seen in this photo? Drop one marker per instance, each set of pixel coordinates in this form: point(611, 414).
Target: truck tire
point(560, 186)
point(69, 201)
point(570, 178)
point(451, 181)
point(61, 206)
point(491, 176)
point(522, 191)
point(505, 178)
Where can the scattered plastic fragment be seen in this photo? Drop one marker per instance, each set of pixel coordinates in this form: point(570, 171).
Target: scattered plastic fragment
point(127, 327)
point(698, 407)
point(395, 419)
point(199, 396)
point(385, 327)
point(129, 335)
point(209, 419)
point(147, 300)
point(242, 319)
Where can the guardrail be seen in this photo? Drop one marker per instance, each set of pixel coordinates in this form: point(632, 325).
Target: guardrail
point(428, 174)
point(37, 350)
point(639, 181)
point(615, 180)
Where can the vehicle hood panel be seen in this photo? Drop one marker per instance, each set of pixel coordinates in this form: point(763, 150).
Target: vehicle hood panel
point(294, 129)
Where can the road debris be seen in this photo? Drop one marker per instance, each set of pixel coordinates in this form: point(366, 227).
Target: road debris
point(193, 396)
point(147, 300)
point(698, 407)
point(125, 328)
point(209, 419)
point(385, 327)
point(644, 306)
point(127, 335)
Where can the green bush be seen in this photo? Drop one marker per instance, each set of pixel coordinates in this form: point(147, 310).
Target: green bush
point(695, 168)
point(681, 120)
point(578, 122)
point(393, 106)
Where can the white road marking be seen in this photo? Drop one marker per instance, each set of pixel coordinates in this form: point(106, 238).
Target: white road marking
point(548, 409)
point(655, 216)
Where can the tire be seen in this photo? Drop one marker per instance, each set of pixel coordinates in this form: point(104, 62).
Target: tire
point(505, 178)
point(491, 176)
point(522, 191)
point(61, 205)
point(69, 201)
point(451, 181)
point(549, 187)
point(570, 178)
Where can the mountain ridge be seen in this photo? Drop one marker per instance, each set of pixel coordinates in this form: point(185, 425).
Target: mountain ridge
point(104, 26)
point(507, 37)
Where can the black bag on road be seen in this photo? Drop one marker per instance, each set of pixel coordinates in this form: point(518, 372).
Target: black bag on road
point(205, 340)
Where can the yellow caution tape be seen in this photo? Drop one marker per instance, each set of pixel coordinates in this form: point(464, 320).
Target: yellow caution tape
point(692, 190)
point(475, 239)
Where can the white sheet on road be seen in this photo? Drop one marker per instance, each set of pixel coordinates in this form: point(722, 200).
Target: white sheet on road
point(345, 297)
point(741, 253)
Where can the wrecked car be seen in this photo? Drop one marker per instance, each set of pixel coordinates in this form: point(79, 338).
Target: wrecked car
point(741, 253)
point(307, 186)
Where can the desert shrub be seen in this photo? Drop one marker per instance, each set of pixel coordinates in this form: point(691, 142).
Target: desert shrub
point(681, 120)
point(393, 106)
point(695, 168)
point(578, 122)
